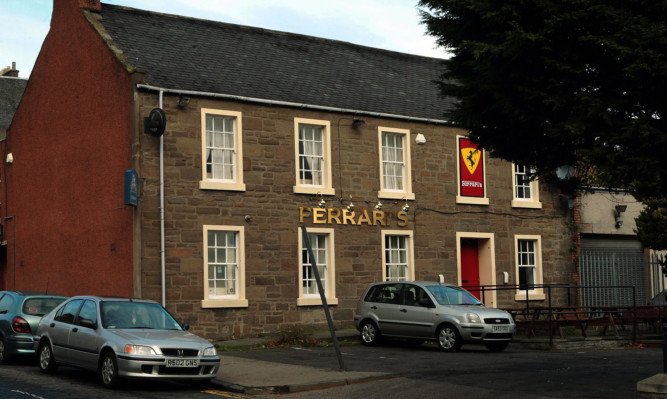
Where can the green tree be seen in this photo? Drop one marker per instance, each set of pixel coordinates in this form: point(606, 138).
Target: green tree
point(549, 83)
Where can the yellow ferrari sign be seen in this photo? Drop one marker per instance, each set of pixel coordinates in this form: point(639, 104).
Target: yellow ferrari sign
point(470, 158)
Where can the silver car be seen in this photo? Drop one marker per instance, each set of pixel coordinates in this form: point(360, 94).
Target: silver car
point(122, 338)
point(420, 311)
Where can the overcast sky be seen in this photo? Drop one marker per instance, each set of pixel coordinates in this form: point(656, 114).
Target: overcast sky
point(388, 24)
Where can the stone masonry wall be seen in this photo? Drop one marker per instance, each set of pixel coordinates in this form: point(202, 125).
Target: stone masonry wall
point(271, 245)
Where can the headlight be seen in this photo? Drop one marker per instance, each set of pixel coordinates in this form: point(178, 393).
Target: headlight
point(210, 351)
point(139, 350)
point(473, 318)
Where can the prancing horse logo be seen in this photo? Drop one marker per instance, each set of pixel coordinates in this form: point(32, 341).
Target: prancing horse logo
point(471, 157)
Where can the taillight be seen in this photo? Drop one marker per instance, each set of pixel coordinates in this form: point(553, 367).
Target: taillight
point(20, 325)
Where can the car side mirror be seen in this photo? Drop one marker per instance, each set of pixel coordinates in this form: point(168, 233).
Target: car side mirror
point(185, 326)
point(426, 303)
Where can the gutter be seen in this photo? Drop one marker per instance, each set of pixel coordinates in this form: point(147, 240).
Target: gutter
point(292, 104)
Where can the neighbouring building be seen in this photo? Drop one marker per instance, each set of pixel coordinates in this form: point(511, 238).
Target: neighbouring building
point(265, 132)
point(610, 253)
point(11, 90)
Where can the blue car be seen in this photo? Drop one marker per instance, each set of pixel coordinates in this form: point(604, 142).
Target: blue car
point(20, 312)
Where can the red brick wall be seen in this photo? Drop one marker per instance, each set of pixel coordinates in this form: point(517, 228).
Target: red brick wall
point(71, 141)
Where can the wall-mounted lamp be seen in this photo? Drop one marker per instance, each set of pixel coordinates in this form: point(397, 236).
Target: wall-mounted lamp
point(618, 211)
point(322, 203)
point(358, 123)
point(10, 158)
point(420, 139)
point(183, 101)
point(247, 218)
point(378, 207)
point(406, 207)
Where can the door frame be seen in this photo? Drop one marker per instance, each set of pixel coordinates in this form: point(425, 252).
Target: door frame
point(487, 262)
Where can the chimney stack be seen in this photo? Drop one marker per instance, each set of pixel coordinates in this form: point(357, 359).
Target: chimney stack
point(10, 72)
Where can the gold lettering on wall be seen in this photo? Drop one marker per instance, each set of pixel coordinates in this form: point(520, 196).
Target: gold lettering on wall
point(345, 217)
point(319, 215)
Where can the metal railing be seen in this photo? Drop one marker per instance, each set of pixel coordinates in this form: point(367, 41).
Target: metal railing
point(563, 304)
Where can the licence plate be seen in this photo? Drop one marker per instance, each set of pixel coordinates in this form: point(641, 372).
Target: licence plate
point(182, 362)
point(501, 328)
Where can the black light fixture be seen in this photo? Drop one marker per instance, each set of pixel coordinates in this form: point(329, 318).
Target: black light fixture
point(155, 123)
point(357, 123)
point(618, 210)
point(183, 101)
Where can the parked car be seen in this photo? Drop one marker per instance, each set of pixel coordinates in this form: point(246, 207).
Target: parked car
point(19, 314)
point(123, 338)
point(420, 311)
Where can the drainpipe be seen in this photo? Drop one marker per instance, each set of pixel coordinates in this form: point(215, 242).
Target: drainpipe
point(162, 250)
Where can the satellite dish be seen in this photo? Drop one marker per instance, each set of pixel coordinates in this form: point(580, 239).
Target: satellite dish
point(155, 123)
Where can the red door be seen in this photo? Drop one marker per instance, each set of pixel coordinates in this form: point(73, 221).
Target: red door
point(470, 266)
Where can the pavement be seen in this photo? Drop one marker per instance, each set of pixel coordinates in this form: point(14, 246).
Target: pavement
point(257, 377)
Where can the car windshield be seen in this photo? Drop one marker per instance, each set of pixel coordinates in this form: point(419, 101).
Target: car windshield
point(136, 315)
point(40, 306)
point(451, 295)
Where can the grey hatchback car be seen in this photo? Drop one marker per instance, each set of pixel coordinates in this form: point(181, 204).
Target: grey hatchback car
point(430, 311)
point(122, 337)
point(20, 311)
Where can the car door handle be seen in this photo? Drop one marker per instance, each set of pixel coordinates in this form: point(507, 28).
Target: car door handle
point(404, 310)
point(374, 307)
point(52, 325)
point(75, 329)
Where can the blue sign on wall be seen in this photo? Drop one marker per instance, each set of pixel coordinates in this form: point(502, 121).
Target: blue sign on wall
point(131, 187)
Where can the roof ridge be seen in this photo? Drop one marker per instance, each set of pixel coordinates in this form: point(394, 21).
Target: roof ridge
point(13, 78)
point(271, 31)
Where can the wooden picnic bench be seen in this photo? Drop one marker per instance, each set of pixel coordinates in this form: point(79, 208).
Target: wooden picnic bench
point(557, 318)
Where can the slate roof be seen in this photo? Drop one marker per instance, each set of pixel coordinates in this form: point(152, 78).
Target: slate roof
point(11, 91)
point(185, 53)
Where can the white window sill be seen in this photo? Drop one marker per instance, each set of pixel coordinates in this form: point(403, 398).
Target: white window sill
point(526, 204)
point(314, 190)
point(224, 303)
point(213, 185)
point(399, 195)
point(315, 301)
point(538, 296)
point(472, 200)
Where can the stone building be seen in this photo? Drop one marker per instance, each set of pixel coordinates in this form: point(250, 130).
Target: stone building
point(264, 132)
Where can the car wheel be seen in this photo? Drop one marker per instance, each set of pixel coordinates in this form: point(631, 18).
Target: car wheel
point(370, 334)
point(4, 357)
point(47, 362)
point(496, 346)
point(449, 339)
point(109, 371)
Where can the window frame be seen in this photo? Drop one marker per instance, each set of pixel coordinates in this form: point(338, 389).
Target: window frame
point(464, 199)
point(327, 180)
point(535, 293)
point(330, 280)
point(410, 255)
point(235, 184)
point(531, 202)
point(232, 301)
point(406, 193)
